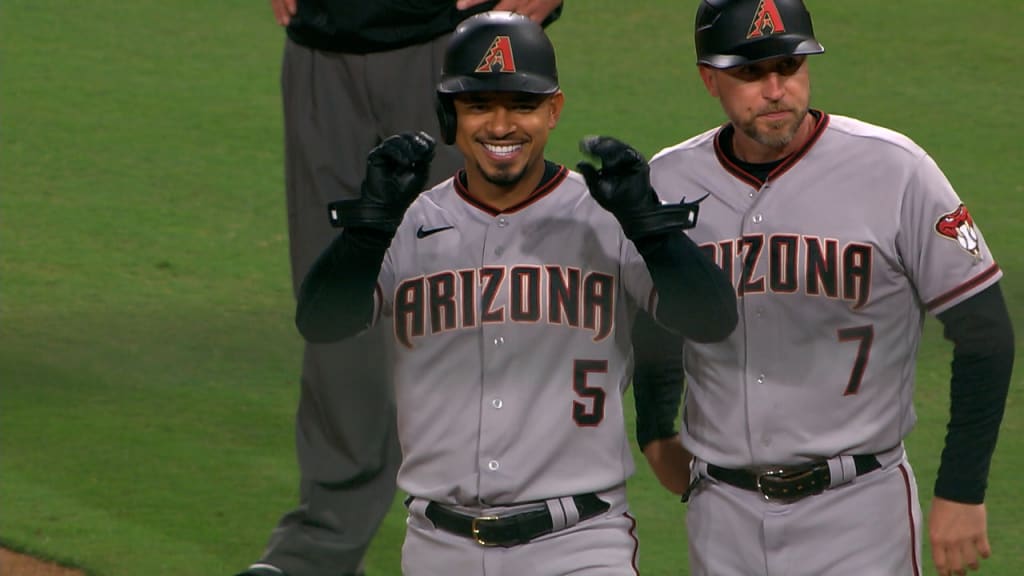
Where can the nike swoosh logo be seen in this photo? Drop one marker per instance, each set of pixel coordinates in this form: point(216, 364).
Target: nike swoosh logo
point(424, 232)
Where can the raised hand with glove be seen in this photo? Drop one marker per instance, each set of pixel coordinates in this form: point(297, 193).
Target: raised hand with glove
point(336, 297)
point(682, 273)
point(396, 171)
point(622, 186)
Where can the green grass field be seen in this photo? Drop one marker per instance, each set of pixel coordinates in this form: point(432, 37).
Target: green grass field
point(148, 362)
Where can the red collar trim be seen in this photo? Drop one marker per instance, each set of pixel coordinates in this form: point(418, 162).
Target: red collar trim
point(543, 189)
point(787, 163)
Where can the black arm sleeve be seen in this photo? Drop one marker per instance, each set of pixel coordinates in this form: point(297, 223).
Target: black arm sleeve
point(657, 379)
point(336, 297)
point(982, 335)
point(695, 297)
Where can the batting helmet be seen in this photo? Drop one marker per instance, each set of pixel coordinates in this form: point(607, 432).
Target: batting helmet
point(494, 52)
point(736, 32)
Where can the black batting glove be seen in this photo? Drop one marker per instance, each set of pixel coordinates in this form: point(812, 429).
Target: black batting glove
point(396, 172)
point(622, 185)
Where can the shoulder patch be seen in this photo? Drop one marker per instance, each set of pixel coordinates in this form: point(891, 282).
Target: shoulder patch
point(957, 225)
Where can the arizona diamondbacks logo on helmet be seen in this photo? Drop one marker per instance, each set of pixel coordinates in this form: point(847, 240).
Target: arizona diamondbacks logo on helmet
point(767, 20)
point(499, 57)
point(959, 226)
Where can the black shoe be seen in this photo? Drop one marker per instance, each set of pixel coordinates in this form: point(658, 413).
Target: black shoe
point(268, 570)
point(262, 570)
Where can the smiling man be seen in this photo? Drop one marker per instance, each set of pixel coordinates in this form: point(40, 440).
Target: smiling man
point(512, 290)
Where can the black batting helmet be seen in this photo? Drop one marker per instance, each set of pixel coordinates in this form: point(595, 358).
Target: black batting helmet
point(494, 52)
point(736, 32)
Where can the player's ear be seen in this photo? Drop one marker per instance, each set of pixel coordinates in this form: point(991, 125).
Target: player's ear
point(707, 74)
point(554, 104)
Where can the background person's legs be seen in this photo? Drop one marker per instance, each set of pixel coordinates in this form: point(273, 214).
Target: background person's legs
point(336, 108)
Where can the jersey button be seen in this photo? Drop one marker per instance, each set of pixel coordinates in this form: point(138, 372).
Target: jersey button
point(760, 379)
point(497, 403)
point(757, 218)
point(492, 465)
point(502, 222)
point(499, 341)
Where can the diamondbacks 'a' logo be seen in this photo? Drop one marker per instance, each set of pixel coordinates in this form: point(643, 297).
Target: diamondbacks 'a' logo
point(959, 227)
point(499, 57)
point(767, 20)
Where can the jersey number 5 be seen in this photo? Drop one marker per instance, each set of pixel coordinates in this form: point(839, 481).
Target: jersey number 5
point(864, 335)
point(588, 413)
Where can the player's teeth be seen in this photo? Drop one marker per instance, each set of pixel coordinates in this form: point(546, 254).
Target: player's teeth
point(503, 150)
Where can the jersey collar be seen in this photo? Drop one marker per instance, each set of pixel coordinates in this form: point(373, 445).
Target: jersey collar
point(748, 172)
point(553, 176)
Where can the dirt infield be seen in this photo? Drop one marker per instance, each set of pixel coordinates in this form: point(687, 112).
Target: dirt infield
point(15, 564)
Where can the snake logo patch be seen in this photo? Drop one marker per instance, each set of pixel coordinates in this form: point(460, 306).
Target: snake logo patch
point(499, 57)
point(767, 20)
point(959, 227)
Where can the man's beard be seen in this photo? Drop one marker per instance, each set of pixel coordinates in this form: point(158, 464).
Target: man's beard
point(504, 177)
point(780, 134)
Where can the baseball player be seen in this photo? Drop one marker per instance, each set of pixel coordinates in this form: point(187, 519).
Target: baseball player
point(838, 236)
point(352, 72)
point(510, 290)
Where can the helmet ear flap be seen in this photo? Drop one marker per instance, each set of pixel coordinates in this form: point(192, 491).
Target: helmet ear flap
point(445, 117)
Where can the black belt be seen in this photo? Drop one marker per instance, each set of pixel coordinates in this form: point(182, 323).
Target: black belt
point(789, 483)
point(508, 529)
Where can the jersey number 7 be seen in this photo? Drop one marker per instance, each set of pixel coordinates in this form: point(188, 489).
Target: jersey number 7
point(865, 335)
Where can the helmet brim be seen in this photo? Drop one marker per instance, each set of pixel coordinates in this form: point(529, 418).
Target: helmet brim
point(514, 82)
point(777, 46)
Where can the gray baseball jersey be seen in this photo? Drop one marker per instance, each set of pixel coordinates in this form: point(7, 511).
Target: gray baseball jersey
point(835, 261)
point(513, 344)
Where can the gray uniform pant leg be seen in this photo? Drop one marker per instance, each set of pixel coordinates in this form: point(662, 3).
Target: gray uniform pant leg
point(336, 108)
point(871, 525)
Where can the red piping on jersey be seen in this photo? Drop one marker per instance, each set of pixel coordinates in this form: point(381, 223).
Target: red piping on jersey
point(636, 543)
point(786, 164)
point(910, 517)
point(542, 190)
point(942, 299)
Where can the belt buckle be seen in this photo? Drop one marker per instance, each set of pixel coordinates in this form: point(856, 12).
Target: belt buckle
point(769, 473)
point(778, 475)
point(476, 529)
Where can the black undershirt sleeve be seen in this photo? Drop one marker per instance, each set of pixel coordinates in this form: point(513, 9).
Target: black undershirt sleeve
point(657, 379)
point(983, 351)
point(336, 297)
point(695, 297)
